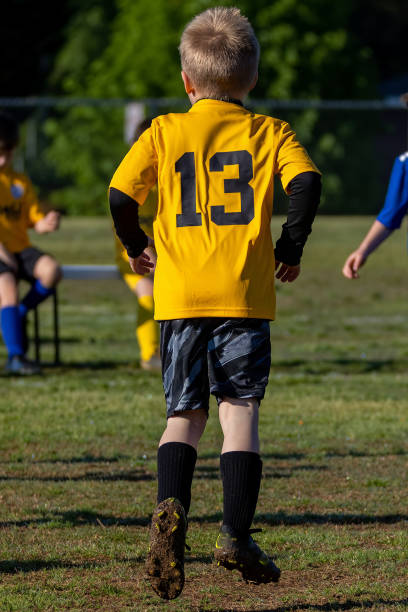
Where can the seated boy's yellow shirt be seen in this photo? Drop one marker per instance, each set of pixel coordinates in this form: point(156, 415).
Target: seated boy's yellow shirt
point(19, 209)
point(214, 167)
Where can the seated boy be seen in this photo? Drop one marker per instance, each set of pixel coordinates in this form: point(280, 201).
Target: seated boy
point(214, 167)
point(147, 329)
point(20, 210)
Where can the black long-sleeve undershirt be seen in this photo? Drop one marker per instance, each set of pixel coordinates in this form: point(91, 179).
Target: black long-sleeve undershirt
point(125, 215)
point(304, 197)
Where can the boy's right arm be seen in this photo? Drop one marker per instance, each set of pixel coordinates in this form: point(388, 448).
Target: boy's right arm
point(125, 215)
point(304, 196)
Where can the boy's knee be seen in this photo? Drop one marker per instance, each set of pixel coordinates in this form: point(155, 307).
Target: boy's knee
point(48, 271)
point(232, 406)
point(194, 418)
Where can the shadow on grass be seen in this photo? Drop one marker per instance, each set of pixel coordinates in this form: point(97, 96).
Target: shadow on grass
point(203, 472)
point(297, 456)
point(14, 566)
point(341, 366)
point(35, 565)
point(310, 518)
point(279, 456)
point(78, 518)
point(83, 459)
point(335, 605)
point(130, 476)
point(65, 366)
point(68, 460)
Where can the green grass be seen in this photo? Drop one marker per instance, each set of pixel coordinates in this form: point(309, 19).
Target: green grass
point(78, 445)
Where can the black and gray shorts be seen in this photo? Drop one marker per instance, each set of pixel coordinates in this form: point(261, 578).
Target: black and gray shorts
point(26, 260)
point(224, 357)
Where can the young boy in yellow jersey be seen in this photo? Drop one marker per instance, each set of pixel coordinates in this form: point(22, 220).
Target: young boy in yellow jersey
point(20, 210)
point(147, 330)
point(214, 280)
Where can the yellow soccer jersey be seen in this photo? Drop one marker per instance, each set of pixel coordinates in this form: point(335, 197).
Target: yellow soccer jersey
point(146, 218)
point(214, 167)
point(19, 209)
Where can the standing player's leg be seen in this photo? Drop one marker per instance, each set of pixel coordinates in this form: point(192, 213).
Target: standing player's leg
point(185, 381)
point(239, 355)
point(147, 329)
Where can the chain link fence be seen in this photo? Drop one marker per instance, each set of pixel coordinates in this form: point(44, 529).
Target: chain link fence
point(71, 146)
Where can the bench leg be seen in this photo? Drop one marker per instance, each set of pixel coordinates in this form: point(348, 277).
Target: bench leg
point(37, 335)
point(56, 328)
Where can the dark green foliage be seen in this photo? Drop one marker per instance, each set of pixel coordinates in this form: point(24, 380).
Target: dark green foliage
point(128, 50)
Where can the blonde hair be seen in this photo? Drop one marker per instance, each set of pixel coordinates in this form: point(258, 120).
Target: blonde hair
point(220, 52)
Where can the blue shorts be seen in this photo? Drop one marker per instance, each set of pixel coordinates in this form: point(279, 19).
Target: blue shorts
point(224, 357)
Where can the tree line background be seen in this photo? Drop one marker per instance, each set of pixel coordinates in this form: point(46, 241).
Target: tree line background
point(310, 49)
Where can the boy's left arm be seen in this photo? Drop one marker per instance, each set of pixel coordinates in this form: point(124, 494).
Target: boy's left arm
point(304, 196)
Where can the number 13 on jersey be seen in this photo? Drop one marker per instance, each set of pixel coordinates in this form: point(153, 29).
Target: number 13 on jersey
point(186, 166)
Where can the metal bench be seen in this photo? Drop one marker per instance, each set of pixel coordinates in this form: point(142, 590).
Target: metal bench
point(74, 272)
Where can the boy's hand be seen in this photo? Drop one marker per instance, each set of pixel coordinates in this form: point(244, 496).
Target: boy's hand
point(49, 223)
point(8, 258)
point(142, 264)
point(285, 273)
point(353, 264)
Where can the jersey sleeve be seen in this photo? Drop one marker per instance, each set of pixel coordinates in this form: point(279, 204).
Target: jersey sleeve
point(291, 158)
point(396, 200)
point(137, 173)
point(33, 207)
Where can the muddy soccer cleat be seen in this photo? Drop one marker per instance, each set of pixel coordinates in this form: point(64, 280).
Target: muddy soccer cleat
point(240, 552)
point(165, 560)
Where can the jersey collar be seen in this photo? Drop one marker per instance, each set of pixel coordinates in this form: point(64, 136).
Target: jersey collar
point(227, 100)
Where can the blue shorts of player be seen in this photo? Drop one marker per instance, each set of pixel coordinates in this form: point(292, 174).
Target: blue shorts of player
point(225, 357)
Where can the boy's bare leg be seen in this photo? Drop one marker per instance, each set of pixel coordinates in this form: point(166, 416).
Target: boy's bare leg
point(8, 290)
point(239, 422)
point(188, 427)
point(241, 472)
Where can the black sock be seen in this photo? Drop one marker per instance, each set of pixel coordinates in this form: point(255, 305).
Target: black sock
point(175, 468)
point(241, 473)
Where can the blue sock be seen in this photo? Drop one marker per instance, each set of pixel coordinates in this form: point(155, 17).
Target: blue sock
point(11, 330)
point(36, 294)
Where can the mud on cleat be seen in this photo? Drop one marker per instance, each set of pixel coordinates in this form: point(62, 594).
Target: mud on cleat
point(239, 551)
point(165, 559)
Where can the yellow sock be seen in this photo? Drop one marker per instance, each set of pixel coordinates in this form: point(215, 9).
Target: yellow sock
point(147, 330)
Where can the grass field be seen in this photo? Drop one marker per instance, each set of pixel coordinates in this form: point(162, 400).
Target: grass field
point(78, 445)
